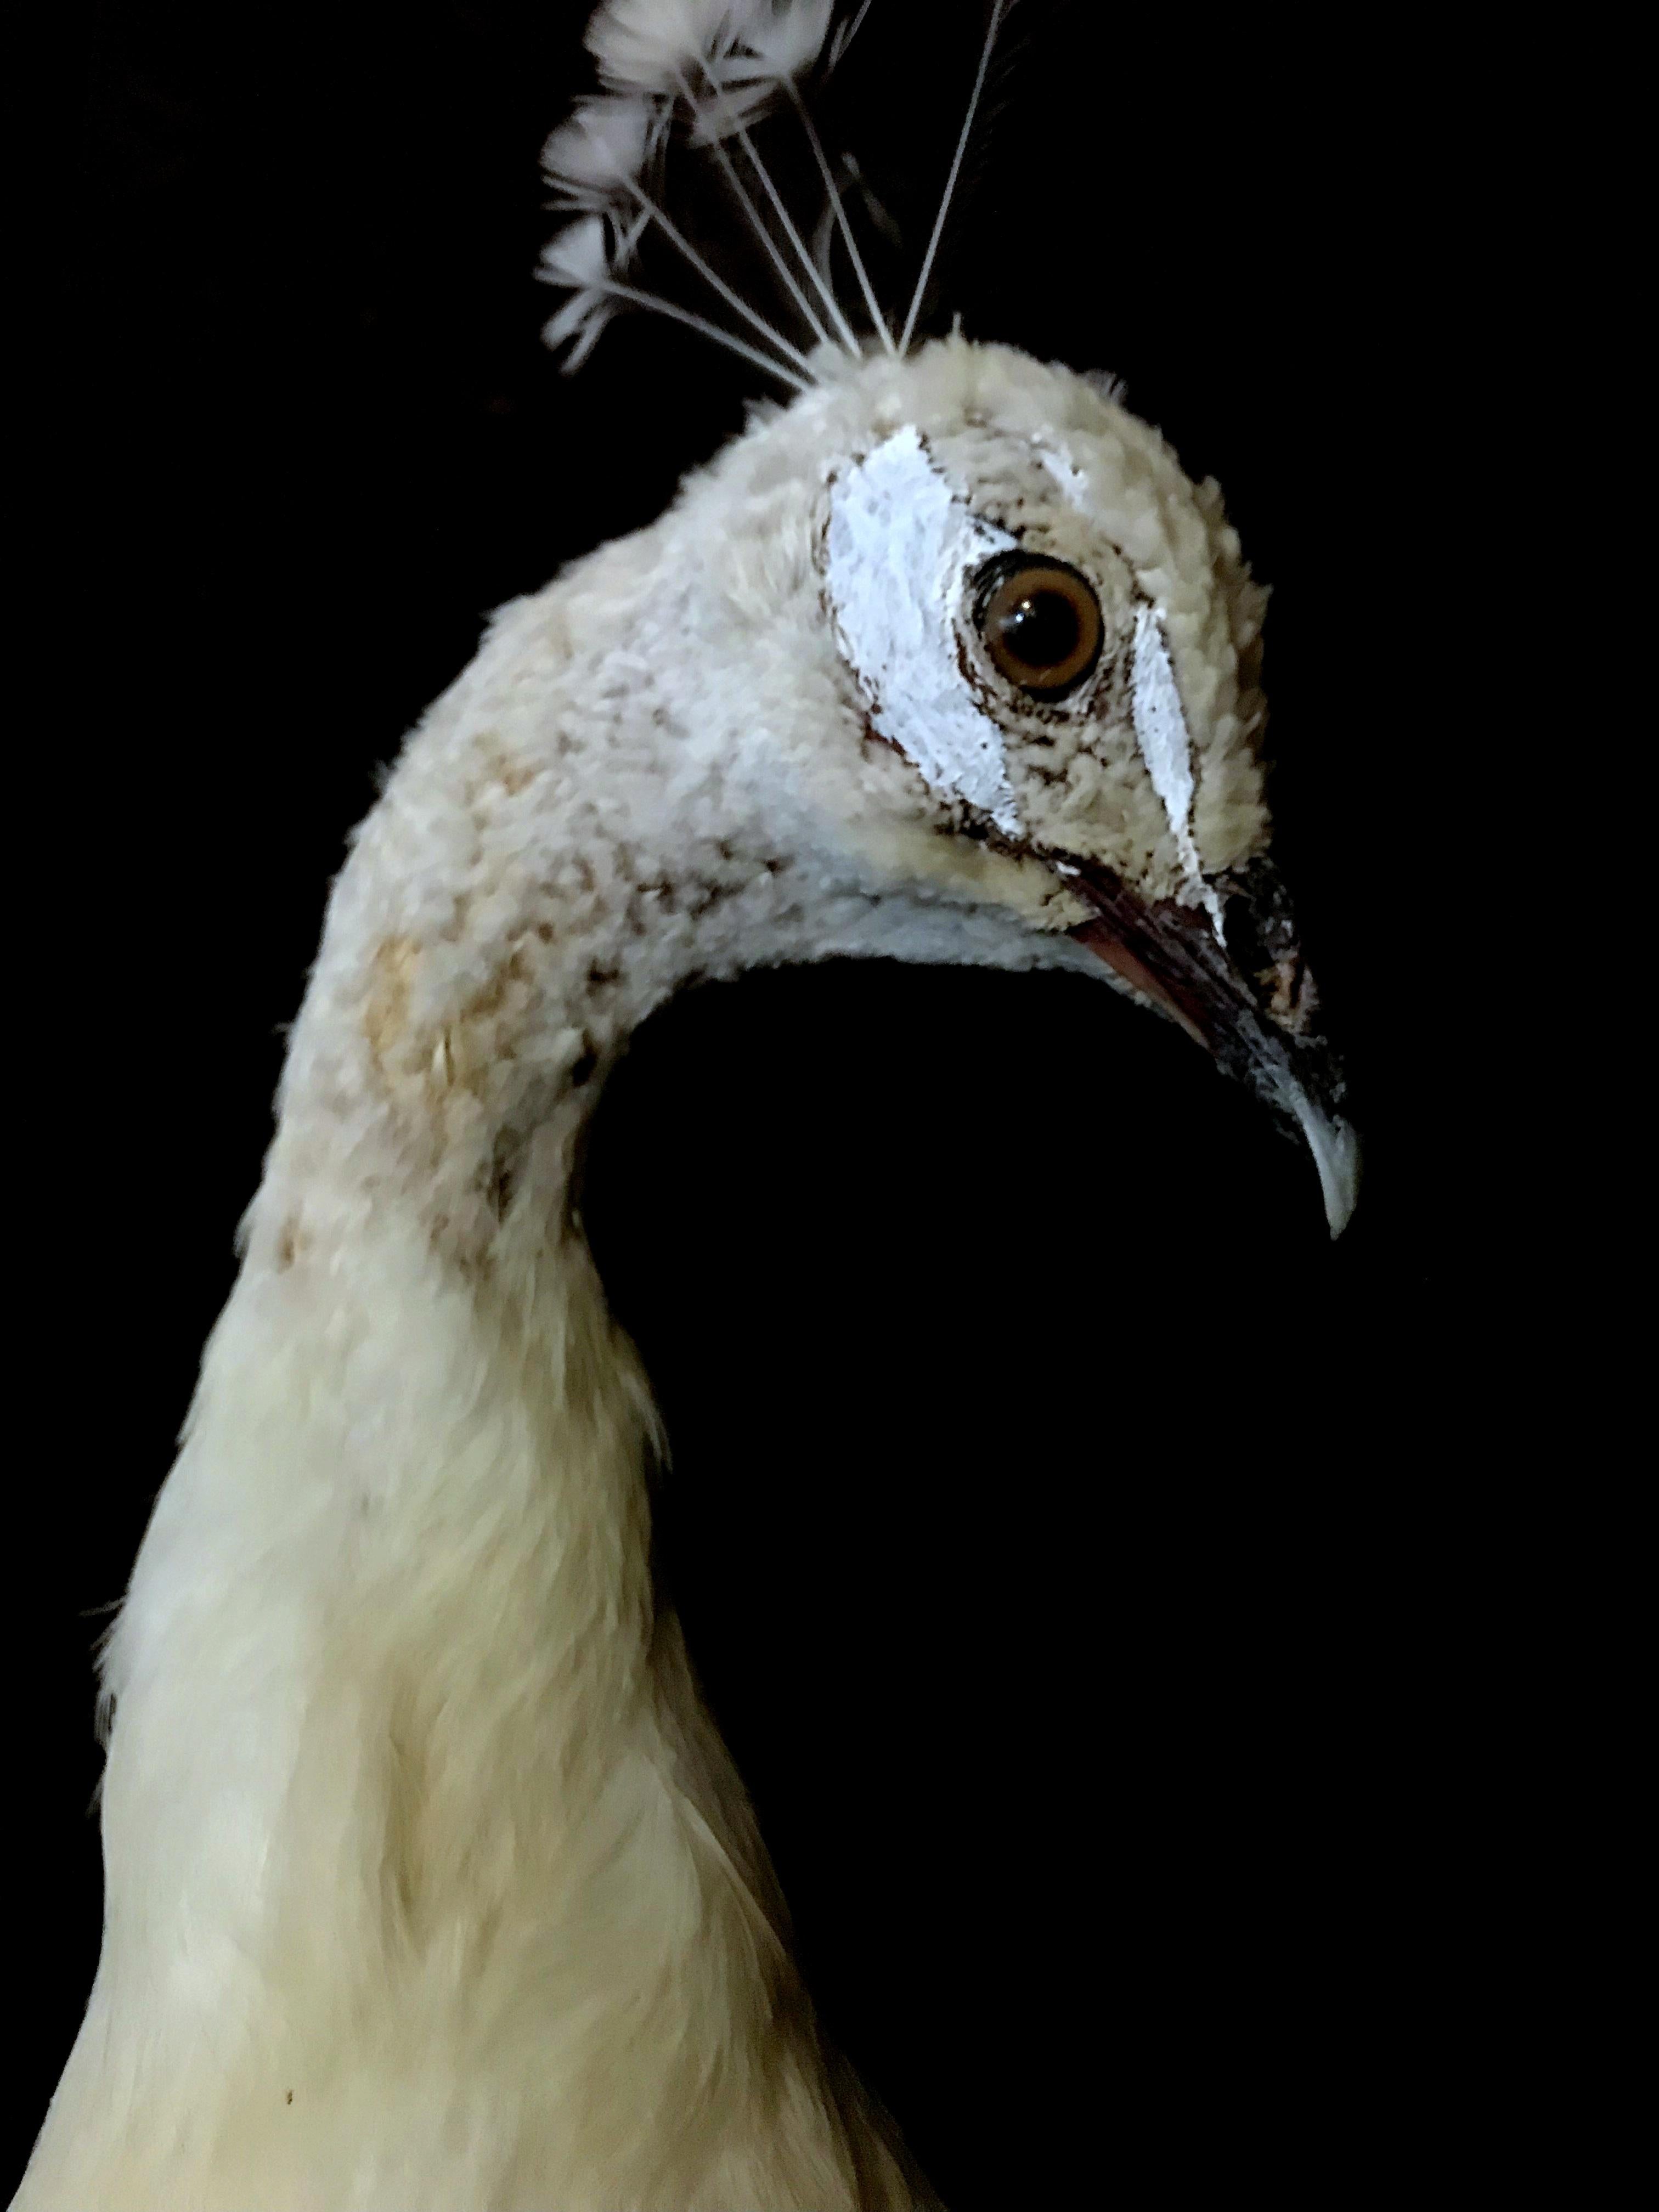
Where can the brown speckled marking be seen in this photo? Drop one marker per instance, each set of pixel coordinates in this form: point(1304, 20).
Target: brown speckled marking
point(491, 995)
point(387, 1016)
point(510, 771)
point(496, 766)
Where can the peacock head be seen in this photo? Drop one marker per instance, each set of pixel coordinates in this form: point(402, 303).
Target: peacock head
point(986, 660)
point(945, 659)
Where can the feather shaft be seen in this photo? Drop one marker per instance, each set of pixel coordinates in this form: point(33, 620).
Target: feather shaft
point(717, 146)
point(702, 324)
point(927, 270)
point(610, 287)
point(829, 184)
point(826, 291)
point(677, 237)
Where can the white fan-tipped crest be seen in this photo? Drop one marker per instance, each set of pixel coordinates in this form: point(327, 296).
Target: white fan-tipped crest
point(650, 46)
point(583, 257)
point(595, 159)
point(727, 60)
point(773, 44)
point(703, 73)
point(579, 255)
point(693, 48)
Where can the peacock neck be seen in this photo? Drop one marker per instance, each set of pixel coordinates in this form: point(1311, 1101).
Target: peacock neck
point(410, 1799)
point(409, 1789)
point(392, 1612)
point(395, 1595)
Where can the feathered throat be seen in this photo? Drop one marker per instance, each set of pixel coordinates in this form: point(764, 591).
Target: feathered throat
point(689, 83)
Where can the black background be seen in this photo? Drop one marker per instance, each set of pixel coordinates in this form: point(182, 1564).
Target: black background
point(1082, 1555)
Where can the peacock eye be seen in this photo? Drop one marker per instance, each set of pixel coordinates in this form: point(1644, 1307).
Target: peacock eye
point(1040, 623)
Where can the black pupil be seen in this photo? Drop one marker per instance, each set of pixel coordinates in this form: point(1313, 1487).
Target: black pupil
point(1040, 629)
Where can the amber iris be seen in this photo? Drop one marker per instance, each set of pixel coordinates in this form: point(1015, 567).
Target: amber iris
point(1040, 623)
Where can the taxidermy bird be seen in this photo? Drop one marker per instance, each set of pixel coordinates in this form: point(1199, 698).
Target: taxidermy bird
point(429, 1881)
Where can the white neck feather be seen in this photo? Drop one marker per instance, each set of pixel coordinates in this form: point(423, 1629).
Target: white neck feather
point(428, 1882)
point(425, 1868)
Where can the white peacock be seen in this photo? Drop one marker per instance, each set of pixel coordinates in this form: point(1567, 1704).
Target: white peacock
point(429, 1882)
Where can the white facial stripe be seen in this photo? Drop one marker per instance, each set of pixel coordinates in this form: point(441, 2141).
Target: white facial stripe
point(1161, 731)
point(1166, 748)
point(900, 545)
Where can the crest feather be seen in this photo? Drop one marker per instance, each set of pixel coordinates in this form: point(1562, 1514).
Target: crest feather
point(684, 77)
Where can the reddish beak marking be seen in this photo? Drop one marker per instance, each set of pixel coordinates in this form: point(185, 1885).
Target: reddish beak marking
point(1105, 946)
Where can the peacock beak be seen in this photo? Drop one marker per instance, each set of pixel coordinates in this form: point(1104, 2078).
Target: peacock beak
point(1230, 971)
